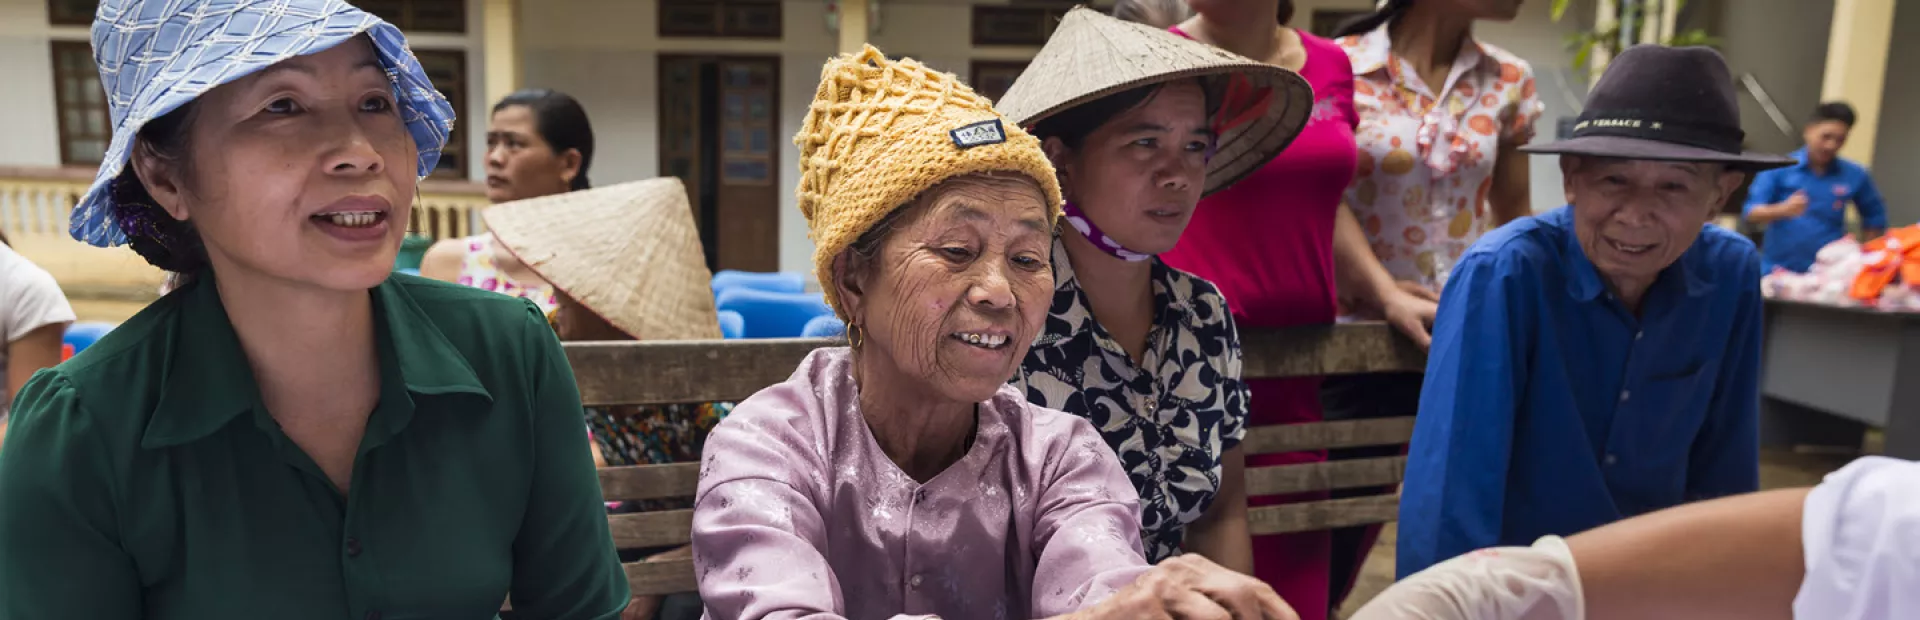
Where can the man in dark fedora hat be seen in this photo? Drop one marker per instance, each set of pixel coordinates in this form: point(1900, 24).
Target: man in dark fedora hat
point(1600, 360)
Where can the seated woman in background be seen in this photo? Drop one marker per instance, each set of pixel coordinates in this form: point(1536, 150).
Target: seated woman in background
point(903, 476)
point(34, 316)
point(626, 261)
point(296, 432)
point(1149, 354)
point(539, 143)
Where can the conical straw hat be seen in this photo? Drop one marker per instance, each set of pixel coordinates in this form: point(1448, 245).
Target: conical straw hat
point(1091, 56)
point(628, 252)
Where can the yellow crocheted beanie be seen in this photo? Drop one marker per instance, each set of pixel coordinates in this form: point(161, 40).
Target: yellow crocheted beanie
point(880, 132)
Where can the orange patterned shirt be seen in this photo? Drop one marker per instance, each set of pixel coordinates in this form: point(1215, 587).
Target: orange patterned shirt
point(1426, 159)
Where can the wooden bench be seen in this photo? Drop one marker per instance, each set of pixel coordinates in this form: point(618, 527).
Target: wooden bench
point(642, 373)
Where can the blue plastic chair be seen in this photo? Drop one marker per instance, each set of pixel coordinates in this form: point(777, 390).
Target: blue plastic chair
point(773, 315)
point(83, 334)
point(828, 326)
point(732, 325)
point(771, 282)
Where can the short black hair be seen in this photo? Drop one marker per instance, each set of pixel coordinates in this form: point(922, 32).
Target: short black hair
point(1837, 111)
point(561, 122)
point(1363, 24)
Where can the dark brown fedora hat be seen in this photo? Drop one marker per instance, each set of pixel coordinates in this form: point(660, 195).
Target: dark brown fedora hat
point(1664, 103)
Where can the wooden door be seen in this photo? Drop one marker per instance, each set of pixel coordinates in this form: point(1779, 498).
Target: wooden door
point(719, 123)
point(748, 204)
point(682, 146)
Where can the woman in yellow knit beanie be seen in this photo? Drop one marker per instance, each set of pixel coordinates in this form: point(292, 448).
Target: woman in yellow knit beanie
point(902, 475)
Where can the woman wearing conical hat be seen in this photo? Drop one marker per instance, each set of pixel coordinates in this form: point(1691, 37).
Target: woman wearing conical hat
point(295, 432)
point(539, 143)
point(902, 476)
point(1140, 125)
point(625, 264)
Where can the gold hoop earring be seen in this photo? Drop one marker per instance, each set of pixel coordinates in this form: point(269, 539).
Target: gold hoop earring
point(855, 336)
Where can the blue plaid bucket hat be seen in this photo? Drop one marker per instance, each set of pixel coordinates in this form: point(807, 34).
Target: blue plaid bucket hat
point(156, 55)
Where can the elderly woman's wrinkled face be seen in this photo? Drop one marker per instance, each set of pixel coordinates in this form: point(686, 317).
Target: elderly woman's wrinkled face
point(1140, 175)
point(956, 290)
point(1634, 217)
point(302, 172)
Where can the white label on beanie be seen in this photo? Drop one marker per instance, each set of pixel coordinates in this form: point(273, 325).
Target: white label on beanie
point(979, 134)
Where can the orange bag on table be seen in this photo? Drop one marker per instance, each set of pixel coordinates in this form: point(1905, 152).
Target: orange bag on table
point(1899, 255)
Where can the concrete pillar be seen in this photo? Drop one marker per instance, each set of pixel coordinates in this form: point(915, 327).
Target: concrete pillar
point(853, 26)
point(500, 41)
point(1857, 68)
point(1606, 14)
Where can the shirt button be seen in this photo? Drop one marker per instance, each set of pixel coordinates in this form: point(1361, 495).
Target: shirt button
point(1611, 459)
point(1639, 334)
point(353, 547)
point(913, 582)
point(1624, 394)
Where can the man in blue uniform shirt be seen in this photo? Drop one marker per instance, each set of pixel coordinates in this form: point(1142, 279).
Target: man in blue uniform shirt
point(1600, 360)
point(1804, 206)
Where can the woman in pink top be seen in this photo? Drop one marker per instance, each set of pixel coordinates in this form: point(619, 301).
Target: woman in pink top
point(1280, 245)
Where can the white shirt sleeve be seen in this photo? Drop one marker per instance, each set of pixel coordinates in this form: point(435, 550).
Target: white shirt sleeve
point(1861, 534)
point(31, 300)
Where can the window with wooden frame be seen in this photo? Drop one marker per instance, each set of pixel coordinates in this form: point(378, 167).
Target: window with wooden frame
point(449, 16)
point(71, 12)
point(448, 70)
point(80, 105)
point(1015, 25)
point(735, 19)
point(992, 78)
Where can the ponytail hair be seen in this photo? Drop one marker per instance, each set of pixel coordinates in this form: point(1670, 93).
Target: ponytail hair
point(1373, 21)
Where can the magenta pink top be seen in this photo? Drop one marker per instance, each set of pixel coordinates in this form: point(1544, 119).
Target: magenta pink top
point(800, 515)
point(1267, 241)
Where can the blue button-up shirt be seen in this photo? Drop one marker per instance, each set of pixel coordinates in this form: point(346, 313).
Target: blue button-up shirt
point(1791, 243)
point(1549, 408)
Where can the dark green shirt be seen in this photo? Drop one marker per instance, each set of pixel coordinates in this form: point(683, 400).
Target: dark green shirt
point(144, 479)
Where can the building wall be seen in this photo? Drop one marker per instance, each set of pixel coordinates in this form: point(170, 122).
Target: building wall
point(29, 135)
point(29, 129)
point(604, 52)
point(1897, 151)
point(1783, 43)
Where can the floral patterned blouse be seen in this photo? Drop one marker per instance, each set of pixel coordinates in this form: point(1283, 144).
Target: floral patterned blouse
point(1170, 418)
point(1426, 158)
point(477, 270)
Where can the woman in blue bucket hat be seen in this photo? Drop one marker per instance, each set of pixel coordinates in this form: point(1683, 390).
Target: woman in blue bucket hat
point(291, 433)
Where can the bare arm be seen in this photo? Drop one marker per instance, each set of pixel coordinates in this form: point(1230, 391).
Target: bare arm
point(442, 260)
point(1509, 195)
point(1359, 274)
point(1770, 213)
point(38, 349)
point(1221, 534)
point(1361, 278)
point(1737, 558)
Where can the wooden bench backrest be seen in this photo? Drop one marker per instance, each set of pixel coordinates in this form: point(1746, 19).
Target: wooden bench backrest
point(630, 373)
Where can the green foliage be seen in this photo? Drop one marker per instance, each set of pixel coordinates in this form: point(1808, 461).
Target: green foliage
point(1584, 44)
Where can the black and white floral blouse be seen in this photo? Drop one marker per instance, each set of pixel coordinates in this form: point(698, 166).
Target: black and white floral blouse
point(1168, 419)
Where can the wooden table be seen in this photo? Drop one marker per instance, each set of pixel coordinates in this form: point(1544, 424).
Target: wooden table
point(1828, 373)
